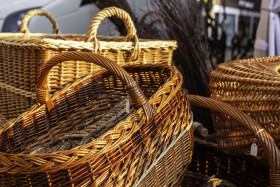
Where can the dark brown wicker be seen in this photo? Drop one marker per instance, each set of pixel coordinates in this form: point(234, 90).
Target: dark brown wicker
point(210, 160)
point(119, 156)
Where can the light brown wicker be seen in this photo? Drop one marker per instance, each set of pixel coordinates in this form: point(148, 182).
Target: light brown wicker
point(22, 55)
point(119, 156)
point(253, 86)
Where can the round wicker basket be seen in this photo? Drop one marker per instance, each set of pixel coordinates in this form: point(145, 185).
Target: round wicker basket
point(253, 86)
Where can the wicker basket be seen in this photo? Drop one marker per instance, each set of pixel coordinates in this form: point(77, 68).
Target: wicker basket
point(120, 155)
point(22, 55)
point(253, 86)
point(272, 153)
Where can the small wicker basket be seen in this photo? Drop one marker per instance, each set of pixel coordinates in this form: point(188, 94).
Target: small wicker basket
point(118, 157)
point(22, 55)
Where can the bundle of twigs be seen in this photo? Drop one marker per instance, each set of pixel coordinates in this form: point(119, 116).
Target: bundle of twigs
point(183, 22)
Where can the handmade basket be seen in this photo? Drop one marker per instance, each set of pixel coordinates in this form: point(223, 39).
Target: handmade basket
point(22, 55)
point(234, 168)
point(120, 155)
point(253, 86)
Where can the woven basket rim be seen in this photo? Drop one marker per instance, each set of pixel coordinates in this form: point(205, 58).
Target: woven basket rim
point(174, 79)
point(48, 41)
point(261, 71)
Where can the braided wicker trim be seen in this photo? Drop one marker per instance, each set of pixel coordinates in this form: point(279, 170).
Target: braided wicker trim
point(43, 41)
point(27, 164)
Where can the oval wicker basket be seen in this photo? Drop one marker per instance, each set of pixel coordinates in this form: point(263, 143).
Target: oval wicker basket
point(120, 155)
point(22, 55)
point(253, 86)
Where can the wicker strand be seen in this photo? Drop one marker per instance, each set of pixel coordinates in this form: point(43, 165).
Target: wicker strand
point(275, 179)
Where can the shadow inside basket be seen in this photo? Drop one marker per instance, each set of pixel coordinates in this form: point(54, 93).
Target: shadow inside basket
point(83, 111)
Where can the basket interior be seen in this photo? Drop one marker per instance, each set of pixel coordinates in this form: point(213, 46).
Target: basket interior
point(76, 105)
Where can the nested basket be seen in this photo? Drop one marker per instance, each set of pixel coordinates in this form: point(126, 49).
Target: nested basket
point(253, 86)
point(120, 156)
point(22, 55)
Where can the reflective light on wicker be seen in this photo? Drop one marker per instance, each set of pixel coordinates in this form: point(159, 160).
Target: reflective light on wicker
point(22, 55)
point(253, 86)
point(119, 156)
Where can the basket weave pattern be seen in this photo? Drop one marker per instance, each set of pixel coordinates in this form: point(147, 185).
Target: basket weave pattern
point(253, 86)
point(163, 173)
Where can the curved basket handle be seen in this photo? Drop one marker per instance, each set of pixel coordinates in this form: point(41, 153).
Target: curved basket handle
point(121, 14)
point(25, 20)
point(267, 142)
point(136, 95)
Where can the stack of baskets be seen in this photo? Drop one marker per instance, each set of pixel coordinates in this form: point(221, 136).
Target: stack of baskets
point(148, 145)
point(151, 145)
point(23, 54)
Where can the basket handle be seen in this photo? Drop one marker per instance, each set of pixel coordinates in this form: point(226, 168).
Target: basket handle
point(124, 16)
point(136, 95)
point(25, 20)
point(267, 142)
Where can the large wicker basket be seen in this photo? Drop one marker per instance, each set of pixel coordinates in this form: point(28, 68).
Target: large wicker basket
point(119, 156)
point(253, 86)
point(239, 168)
point(22, 55)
